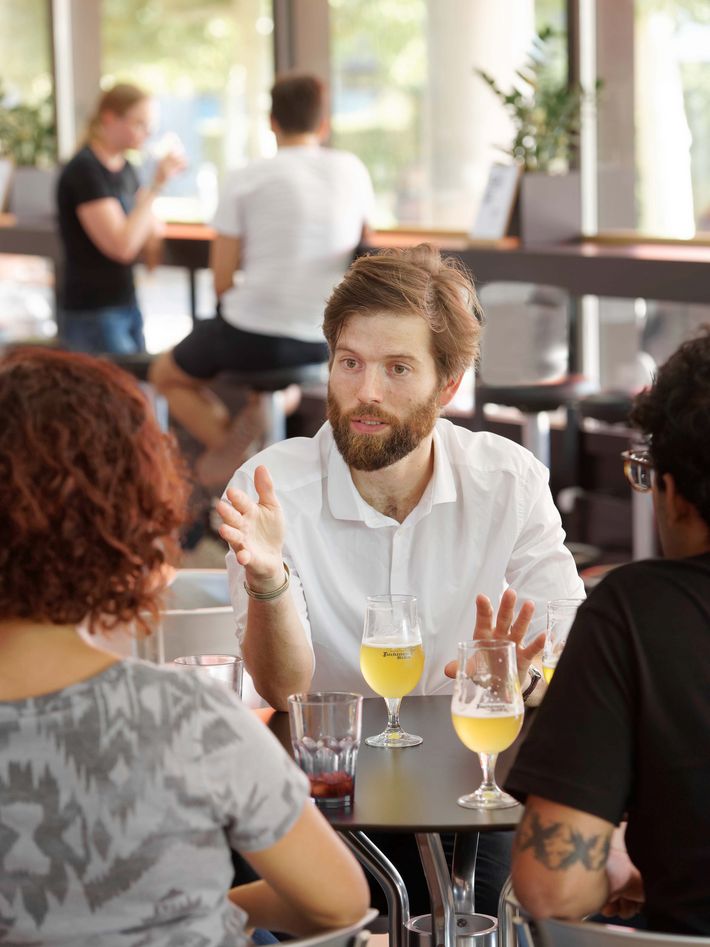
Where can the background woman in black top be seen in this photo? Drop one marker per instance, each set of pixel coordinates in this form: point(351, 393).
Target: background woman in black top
point(105, 220)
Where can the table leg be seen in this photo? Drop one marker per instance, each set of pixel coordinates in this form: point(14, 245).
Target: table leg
point(390, 881)
point(436, 872)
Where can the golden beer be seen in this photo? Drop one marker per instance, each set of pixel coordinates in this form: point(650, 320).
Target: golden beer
point(391, 670)
point(487, 734)
point(547, 671)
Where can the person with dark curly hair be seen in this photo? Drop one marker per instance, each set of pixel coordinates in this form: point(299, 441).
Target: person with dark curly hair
point(621, 732)
point(123, 786)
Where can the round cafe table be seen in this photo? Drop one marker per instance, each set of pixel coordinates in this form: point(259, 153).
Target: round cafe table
point(414, 790)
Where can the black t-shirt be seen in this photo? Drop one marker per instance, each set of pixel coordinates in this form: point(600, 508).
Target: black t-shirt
point(625, 728)
point(91, 279)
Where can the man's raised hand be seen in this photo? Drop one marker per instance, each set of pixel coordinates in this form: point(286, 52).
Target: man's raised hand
point(255, 531)
point(505, 626)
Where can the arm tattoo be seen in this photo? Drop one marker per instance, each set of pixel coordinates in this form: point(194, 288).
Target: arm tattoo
point(558, 845)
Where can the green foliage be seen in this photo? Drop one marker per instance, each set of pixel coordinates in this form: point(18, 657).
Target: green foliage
point(28, 133)
point(545, 109)
point(164, 45)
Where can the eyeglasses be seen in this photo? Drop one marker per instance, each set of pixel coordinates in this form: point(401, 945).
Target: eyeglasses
point(637, 469)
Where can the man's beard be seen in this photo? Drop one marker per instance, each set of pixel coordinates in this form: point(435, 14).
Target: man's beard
point(375, 451)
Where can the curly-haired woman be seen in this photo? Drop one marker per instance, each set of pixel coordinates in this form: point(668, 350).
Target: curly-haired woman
point(123, 785)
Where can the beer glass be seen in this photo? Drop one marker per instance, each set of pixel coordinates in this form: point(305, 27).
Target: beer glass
point(487, 712)
point(392, 660)
point(560, 616)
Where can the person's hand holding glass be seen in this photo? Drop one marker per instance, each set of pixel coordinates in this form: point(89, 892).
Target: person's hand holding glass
point(560, 616)
point(392, 660)
point(487, 712)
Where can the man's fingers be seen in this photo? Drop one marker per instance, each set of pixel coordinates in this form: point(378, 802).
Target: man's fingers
point(230, 515)
point(522, 622)
point(533, 649)
point(506, 612)
point(484, 617)
point(231, 535)
point(239, 500)
point(265, 487)
point(450, 669)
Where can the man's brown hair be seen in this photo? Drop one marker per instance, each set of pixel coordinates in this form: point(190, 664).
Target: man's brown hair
point(297, 103)
point(417, 281)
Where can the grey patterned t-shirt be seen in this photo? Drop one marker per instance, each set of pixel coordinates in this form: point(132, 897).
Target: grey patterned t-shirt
point(119, 798)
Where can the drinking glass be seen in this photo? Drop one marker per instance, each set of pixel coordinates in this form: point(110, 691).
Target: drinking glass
point(325, 735)
point(226, 668)
point(392, 660)
point(560, 616)
point(487, 712)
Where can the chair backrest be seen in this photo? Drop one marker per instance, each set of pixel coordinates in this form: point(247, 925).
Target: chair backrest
point(197, 619)
point(550, 933)
point(354, 935)
point(525, 336)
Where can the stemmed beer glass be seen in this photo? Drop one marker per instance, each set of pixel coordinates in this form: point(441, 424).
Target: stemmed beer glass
point(392, 660)
point(487, 712)
point(560, 616)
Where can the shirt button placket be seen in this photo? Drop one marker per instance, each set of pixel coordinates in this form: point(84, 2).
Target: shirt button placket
point(400, 579)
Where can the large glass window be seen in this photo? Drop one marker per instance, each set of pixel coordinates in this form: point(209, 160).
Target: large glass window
point(672, 91)
point(25, 50)
point(407, 100)
point(209, 66)
point(27, 109)
point(654, 117)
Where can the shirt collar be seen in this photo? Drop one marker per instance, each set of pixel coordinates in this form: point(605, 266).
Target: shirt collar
point(346, 503)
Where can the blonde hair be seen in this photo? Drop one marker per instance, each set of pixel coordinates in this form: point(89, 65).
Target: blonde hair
point(118, 99)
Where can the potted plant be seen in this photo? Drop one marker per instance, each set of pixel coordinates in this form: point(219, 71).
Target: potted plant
point(28, 139)
point(546, 112)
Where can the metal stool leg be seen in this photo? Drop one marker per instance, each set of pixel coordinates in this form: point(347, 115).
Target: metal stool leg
point(272, 405)
point(508, 913)
point(536, 436)
point(463, 872)
point(436, 872)
point(643, 530)
point(389, 880)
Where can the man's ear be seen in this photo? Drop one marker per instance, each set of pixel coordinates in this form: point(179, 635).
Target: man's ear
point(449, 390)
point(677, 507)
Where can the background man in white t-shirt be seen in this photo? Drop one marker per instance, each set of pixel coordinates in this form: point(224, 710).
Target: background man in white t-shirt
point(289, 224)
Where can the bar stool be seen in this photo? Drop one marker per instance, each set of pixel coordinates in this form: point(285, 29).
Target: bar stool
point(137, 364)
point(270, 385)
point(524, 363)
point(614, 407)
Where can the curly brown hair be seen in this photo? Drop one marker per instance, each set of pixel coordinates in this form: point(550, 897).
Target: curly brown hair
point(674, 416)
point(415, 281)
point(91, 492)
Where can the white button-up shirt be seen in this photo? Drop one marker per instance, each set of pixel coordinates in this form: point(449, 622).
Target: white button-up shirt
point(486, 521)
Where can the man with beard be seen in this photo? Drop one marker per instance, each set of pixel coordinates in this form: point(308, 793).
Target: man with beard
point(388, 498)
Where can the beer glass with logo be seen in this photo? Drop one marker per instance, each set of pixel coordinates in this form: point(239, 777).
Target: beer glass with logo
point(392, 660)
point(487, 712)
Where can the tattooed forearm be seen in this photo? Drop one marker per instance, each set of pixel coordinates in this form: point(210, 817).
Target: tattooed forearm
point(558, 845)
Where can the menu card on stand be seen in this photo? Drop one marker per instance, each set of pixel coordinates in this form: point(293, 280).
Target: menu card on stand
point(497, 204)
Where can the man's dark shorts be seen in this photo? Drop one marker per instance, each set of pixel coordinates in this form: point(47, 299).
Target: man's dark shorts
point(215, 346)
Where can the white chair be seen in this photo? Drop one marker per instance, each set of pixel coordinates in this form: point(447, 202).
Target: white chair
point(354, 935)
point(197, 619)
point(551, 933)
